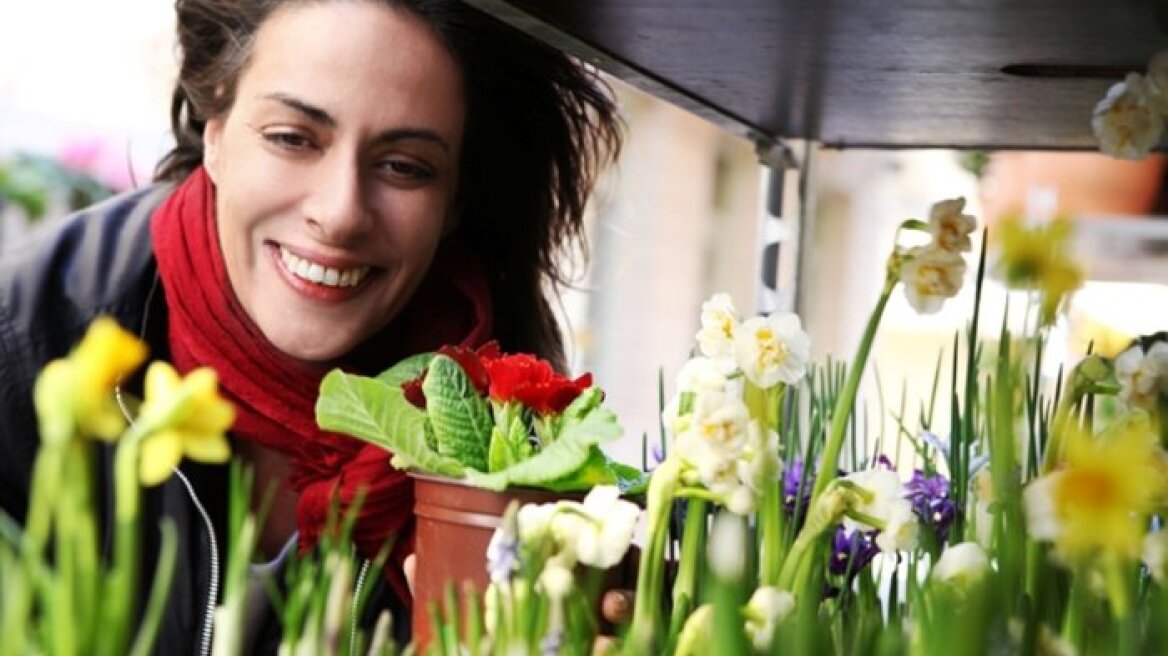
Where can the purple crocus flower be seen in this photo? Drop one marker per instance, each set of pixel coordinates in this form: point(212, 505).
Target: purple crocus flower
point(796, 489)
point(552, 643)
point(930, 500)
point(502, 556)
point(851, 552)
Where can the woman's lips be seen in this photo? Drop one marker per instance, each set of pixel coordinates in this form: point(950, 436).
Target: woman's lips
point(320, 281)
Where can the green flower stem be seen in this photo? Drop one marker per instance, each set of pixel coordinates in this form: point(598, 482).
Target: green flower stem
point(693, 546)
point(847, 398)
point(61, 603)
point(167, 555)
point(1118, 592)
point(83, 531)
point(694, 637)
point(1054, 445)
point(1077, 598)
point(798, 553)
point(770, 528)
point(1009, 522)
point(729, 595)
point(646, 624)
point(766, 407)
point(46, 482)
point(119, 606)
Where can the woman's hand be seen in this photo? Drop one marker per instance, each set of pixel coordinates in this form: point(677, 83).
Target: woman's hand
point(409, 566)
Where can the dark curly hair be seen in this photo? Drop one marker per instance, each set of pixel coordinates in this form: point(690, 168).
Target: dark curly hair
point(539, 128)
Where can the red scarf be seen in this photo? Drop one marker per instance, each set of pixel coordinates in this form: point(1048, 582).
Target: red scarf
point(275, 395)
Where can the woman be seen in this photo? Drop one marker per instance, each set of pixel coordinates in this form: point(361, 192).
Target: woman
point(353, 181)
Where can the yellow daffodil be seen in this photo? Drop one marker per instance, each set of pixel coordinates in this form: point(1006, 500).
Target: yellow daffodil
point(187, 417)
point(1099, 500)
point(1039, 258)
point(105, 356)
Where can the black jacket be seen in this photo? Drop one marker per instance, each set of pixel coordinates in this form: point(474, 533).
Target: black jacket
point(101, 262)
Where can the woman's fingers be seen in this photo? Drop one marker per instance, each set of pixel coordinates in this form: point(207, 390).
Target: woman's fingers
point(408, 566)
point(616, 606)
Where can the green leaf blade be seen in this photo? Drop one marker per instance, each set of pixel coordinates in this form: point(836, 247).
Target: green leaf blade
point(559, 460)
point(460, 417)
point(372, 411)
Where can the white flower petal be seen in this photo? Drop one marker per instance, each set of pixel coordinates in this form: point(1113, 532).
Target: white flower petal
point(1128, 121)
point(930, 275)
point(961, 564)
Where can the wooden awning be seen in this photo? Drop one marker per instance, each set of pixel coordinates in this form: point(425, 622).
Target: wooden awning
point(866, 73)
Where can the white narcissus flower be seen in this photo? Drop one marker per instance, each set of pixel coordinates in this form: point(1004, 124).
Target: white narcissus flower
point(741, 501)
point(950, 227)
point(760, 464)
point(901, 530)
point(719, 324)
point(720, 421)
point(727, 547)
point(1157, 80)
point(1128, 121)
point(931, 275)
point(767, 609)
point(772, 349)
point(1143, 377)
point(708, 466)
point(603, 543)
point(887, 507)
point(1042, 522)
point(701, 374)
point(556, 580)
point(961, 565)
point(535, 520)
point(1155, 555)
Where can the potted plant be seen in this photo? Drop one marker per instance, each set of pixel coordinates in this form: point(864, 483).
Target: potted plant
point(477, 429)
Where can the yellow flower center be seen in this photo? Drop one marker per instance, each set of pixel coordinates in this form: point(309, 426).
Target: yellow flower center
point(771, 352)
point(1086, 489)
point(931, 280)
point(718, 432)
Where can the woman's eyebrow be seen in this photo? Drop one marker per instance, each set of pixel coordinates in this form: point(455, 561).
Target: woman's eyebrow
point(421, 134)
point(312, 112)
point(322, 117)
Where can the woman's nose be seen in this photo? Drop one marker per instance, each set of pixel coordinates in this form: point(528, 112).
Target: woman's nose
point(336, 208)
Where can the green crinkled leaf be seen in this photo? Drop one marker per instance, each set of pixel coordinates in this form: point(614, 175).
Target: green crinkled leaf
point(375, 412)
point(406, 370)
point(510, 447)
point(558, 460)
point(460, 417)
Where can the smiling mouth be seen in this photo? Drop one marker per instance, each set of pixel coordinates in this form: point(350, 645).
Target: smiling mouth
point(322, 275)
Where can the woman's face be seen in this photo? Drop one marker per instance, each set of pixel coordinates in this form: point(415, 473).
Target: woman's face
point(335, 171)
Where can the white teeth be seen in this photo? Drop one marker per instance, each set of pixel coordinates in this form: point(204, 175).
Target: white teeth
point(322, 275)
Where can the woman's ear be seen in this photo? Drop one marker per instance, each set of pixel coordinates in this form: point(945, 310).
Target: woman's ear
point(212, 133)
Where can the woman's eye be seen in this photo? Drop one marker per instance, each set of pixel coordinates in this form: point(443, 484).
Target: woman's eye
point(399, 169)
point(292, 141)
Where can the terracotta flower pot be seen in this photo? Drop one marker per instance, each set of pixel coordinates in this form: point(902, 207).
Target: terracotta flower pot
point(455, 523)
point(1077, 183)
